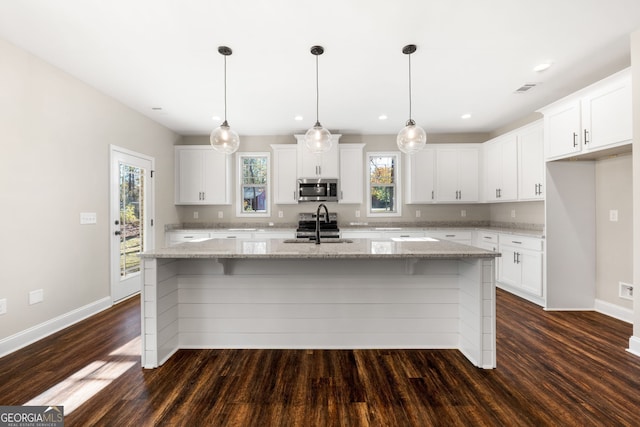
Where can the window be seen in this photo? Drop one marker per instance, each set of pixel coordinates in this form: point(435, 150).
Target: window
point(383, 193)
point(253, 184)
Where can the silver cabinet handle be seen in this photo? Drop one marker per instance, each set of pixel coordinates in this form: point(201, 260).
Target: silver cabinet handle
point(575, 135)
point(586, 137)
point(432, 195)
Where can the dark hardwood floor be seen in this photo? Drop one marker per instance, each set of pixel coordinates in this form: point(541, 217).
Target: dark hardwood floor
point(554, 369)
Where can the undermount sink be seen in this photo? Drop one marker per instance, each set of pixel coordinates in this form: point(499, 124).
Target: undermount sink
point(322, 241)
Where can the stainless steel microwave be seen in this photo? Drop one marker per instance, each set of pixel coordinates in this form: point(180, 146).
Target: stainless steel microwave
point(318, 190)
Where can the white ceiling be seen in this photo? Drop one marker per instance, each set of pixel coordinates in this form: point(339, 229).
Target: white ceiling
point(472, 55)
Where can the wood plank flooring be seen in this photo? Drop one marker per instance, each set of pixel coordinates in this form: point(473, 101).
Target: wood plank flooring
point(554, 369)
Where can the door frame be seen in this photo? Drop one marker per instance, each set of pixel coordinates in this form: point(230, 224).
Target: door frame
point(115, 152)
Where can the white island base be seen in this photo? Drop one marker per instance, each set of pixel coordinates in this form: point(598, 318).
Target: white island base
point(329, 303)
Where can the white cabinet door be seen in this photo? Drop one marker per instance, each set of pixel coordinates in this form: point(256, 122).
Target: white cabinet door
point(202, 176)
point(351, 173)
point(562, 130)
point(509, 271)
point(531, 163)
point(323, 165)
point(285, 176)
point(420, 182)
point(606, 116)
point(531, 265)
point(468, 168)
point(501, 166)
point(447, 175)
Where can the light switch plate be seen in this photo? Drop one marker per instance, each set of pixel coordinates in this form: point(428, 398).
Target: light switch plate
point(3, 306)
point(36, 296)
point(613, 215)
point(88, 218)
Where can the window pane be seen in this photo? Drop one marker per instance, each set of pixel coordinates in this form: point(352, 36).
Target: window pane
point(382, 170)
point(254, 170)
point(131, 219)
point(382, 198)
point(254, 198)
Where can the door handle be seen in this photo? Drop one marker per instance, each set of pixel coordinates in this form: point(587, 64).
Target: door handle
point(117, 232)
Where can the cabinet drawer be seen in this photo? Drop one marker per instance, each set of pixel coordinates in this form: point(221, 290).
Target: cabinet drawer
point(455, 235)
point(181, 237)
point(487, 237)
point(524, 242)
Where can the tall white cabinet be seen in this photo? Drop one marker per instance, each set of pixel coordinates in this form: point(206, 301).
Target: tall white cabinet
point(501, 164)
point(351, 173)
point(202, 176)
point(420, 184)
point(285, 176)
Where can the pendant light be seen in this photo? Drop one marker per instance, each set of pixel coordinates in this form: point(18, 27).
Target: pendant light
point(412, 138)
point(223, 138)
point(317, 139)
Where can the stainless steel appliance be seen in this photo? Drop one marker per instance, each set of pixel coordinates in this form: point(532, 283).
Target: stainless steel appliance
point(318, 190)
point(307, 226)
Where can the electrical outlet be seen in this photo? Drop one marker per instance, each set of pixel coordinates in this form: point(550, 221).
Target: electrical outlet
point(280, 214)
point(613, 215)
point(220, 215)
point(463, 212)
point(418, 213)
point(513, 213)
point(626, 291)
point(357, 213)
point(36, 296)
point(3, 306)
point(195, 214)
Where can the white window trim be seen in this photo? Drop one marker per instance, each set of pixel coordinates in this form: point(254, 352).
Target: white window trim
point(239, 198)
point(398, 181)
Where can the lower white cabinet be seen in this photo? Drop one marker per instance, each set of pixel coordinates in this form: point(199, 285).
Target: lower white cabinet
point(521, 266)
point(175, 237)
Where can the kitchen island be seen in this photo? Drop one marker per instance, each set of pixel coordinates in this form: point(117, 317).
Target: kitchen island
point(363, 293)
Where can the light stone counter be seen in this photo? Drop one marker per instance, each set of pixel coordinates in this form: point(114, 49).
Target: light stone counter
point(371, 293)
point(356, 248)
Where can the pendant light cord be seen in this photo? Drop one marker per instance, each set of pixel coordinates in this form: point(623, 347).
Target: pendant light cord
point(225, 88)
point(409, 87)
point(317, 92)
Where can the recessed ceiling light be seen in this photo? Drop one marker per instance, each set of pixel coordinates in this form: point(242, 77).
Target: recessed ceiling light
point(542, 66)
point(465, 116)
point(382, 117)
point(298, 118)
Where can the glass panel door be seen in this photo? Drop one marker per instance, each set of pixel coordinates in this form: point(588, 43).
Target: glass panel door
point(132, 216)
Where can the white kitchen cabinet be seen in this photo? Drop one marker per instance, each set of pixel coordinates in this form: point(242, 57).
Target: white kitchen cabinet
point(323, 165)
point(595, 118)
point(351, 173)
point(457, 174)
point(231, 233)
point(285, 177)
point(531, 162)
point(521, 267)
point(420, 172)
point(202, 176)
point(501, 166)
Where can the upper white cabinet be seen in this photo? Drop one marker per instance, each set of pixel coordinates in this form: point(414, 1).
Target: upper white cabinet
point(202, 176)
point(595, 118)
point(285, 178)
point(351, 173)
point(457, 174)
point(420, 184)
point(323, 165)
point(501, 166)
point(531, 162)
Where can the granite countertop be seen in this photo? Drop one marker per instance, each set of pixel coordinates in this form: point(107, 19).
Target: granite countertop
point(357, 248)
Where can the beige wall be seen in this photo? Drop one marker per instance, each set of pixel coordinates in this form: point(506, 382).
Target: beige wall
point(56, 133)
point(614, 240)
point(635, 76)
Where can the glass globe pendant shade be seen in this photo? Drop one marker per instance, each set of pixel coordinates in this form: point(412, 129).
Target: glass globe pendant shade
point(411, 138)
point(318, 139)
point(225, 139)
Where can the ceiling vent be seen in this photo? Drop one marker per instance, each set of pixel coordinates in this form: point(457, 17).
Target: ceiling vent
point(525, 87)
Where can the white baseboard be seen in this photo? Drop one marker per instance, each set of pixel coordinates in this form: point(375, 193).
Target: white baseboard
point(614, 311)
point(634, 346)
point(35, 333)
